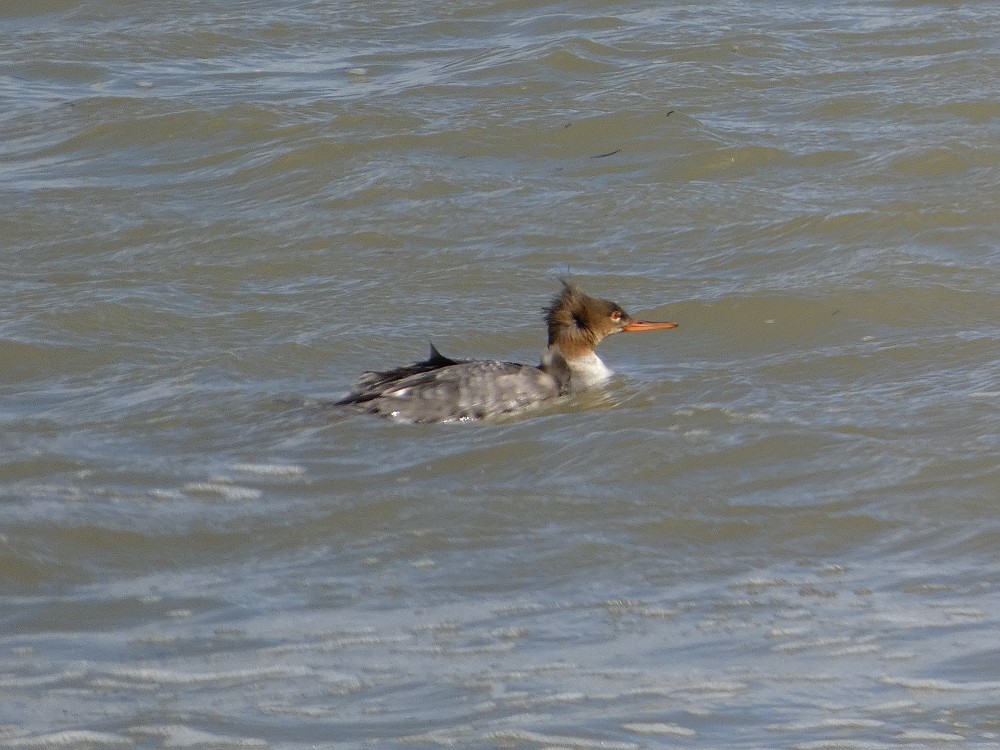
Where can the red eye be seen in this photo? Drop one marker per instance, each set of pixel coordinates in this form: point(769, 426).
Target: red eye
point(616, 316)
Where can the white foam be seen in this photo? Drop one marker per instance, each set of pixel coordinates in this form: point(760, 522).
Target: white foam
point(12, 681)
point(490, 648)
point(173, 677)
point(70, 738)
point(787, 632)
point(898, 656)
point(510, 633)
point(893, 707)
point(526, 699)
point(925, 735)
point(659, 728)
point(815, 643)
point(166, 494)
point(856, 650)
point(939, 685)
point(303, 712)
point(274, 470)
point(715, 686)
point(556, 740)
point(841, 745)
point(228, 491)
point(811, 726)
point(964, 613)
point(442, 737)
point(178, 735)
point(658, 613)
point(700, 687)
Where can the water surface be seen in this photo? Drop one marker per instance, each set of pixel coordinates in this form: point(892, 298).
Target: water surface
point(776, 526)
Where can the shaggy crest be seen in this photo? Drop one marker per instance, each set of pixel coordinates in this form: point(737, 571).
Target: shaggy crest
point(579, 321)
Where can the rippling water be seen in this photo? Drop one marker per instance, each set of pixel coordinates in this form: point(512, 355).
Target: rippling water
point(775, 528)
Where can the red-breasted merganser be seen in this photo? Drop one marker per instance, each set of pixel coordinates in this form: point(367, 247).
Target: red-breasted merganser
point(441, 389)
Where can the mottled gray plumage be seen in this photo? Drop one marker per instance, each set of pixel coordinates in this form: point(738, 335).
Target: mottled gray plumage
point(440, 389)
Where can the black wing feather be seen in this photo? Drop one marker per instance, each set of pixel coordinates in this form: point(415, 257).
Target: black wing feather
point(372, 384)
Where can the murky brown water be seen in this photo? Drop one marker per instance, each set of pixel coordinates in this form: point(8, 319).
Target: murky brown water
point(775, 528)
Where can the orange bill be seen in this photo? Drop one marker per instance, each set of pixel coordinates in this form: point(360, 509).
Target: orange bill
point(638, 326)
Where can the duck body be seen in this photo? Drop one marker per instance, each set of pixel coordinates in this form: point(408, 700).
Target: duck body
point(441, 389)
